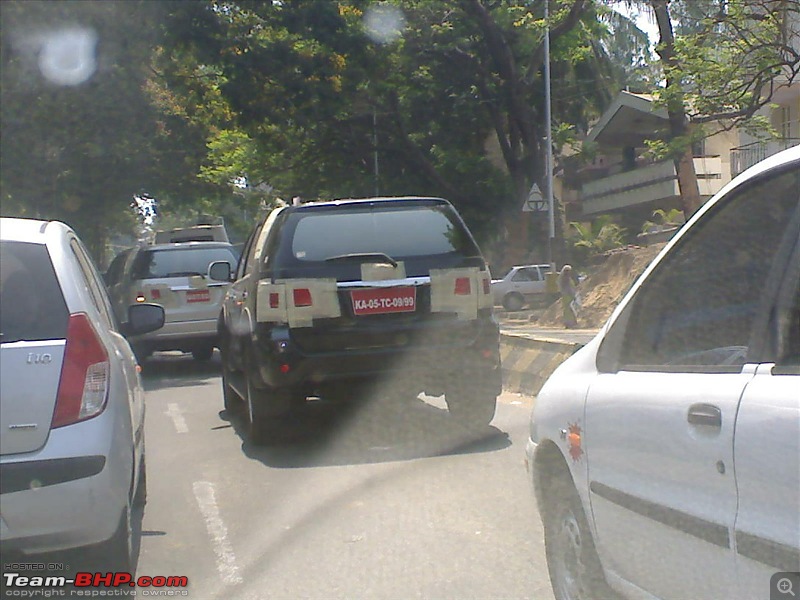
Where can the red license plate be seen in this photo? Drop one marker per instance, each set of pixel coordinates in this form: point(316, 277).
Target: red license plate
point(384, 300)
point(198, 296)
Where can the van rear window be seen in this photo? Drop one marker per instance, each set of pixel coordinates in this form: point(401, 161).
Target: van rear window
point(399, 232)
point(32, 307)
point(157, 264)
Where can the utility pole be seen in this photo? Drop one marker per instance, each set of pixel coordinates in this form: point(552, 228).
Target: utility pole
point(548, 140)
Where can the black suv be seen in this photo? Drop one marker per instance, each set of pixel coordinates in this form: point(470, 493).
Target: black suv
point(330, 296)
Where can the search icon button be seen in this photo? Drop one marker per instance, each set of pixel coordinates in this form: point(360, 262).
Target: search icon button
point(785, 586)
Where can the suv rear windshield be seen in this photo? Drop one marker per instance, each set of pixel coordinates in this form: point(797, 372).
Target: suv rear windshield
point(399, 232)
point(32, 307)
point(178, 262)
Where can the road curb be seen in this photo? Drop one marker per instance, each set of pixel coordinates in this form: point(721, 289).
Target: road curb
point(527, 362)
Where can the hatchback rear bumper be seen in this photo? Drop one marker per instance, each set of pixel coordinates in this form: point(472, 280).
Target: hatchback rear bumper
point(55, 499)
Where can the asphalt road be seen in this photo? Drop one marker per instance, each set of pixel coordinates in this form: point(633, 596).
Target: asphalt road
point(381, 501)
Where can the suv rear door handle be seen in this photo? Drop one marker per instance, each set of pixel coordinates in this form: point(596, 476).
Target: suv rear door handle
point(705, 414)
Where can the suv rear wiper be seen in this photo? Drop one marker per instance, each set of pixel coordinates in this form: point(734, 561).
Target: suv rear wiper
point(363, 257)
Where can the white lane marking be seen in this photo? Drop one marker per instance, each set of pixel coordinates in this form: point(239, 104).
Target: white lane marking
point(174, 413)
point(226, 559)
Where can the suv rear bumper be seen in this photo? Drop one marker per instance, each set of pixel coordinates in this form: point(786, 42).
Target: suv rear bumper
point(180, 335)
point(430, 363)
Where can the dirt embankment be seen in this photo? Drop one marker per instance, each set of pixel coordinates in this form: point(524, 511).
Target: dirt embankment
point(605, 287)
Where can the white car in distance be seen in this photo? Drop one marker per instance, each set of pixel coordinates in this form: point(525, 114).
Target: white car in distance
point(520, 285)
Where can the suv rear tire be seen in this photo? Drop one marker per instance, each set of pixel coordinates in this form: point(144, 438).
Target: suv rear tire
point(470, 406)
point(231, 400)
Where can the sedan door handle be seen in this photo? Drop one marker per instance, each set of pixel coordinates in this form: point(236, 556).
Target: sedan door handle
point(705, 414)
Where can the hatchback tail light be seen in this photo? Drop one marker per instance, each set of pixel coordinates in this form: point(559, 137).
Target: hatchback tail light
point(302, 297)
point(462, 287)
point(83, 388)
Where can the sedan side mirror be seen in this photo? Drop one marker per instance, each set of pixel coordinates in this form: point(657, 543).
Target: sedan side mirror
point(143, 318)
point(220, 271)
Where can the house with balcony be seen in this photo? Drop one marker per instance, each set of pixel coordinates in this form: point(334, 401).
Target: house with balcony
point(624, 182)
point(783, 112)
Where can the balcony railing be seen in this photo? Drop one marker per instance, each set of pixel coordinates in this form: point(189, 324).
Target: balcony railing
point(648, 183)
point(749, 154)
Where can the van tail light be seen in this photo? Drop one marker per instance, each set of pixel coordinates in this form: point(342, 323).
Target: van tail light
point(487, 285)
point(302, 297)
point(83, 387)
point(462, 287)
point(156, 294)
point(274, 300)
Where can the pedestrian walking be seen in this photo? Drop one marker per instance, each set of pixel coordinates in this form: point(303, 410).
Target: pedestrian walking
point(567, 286)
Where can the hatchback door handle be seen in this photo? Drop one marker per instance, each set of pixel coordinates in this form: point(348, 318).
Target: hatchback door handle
point(705, 414)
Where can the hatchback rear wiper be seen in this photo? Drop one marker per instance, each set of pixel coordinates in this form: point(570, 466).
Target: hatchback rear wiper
point(363, 257)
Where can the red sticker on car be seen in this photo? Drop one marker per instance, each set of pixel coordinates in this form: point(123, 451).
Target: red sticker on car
point(198, 296)
point(384, 300)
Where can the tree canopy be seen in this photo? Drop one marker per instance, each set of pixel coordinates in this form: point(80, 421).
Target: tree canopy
point(222, 105)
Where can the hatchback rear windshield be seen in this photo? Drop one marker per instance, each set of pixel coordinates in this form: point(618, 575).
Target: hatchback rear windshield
point(32, 307)
point(183, 262)
point(399, 232)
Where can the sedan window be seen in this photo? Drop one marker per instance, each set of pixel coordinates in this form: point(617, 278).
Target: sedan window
point(698, 309)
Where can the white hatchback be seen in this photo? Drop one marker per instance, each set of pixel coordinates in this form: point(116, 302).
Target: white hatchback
point(665, 454)
point(72, 460)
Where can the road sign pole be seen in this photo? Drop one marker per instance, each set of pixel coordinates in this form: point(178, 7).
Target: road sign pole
point(549, 139)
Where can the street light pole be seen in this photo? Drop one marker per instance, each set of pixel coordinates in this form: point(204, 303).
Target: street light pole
point(548, 139)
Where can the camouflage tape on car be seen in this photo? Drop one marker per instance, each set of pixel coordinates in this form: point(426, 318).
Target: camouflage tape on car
point(275, 302)
point(382, 271)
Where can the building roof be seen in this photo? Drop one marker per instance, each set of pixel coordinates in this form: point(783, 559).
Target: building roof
point(628, 121)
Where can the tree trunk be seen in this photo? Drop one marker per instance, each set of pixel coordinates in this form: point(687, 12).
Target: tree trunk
point(676, 111)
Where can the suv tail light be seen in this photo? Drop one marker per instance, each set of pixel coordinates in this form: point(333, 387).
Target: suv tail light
point(462, 287)
point(83, 388)
point(487, 285)
point(302, 297)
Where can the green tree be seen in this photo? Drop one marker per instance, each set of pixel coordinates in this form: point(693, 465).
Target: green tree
point(723, 60)
point(80, 136)
point(315, 104)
